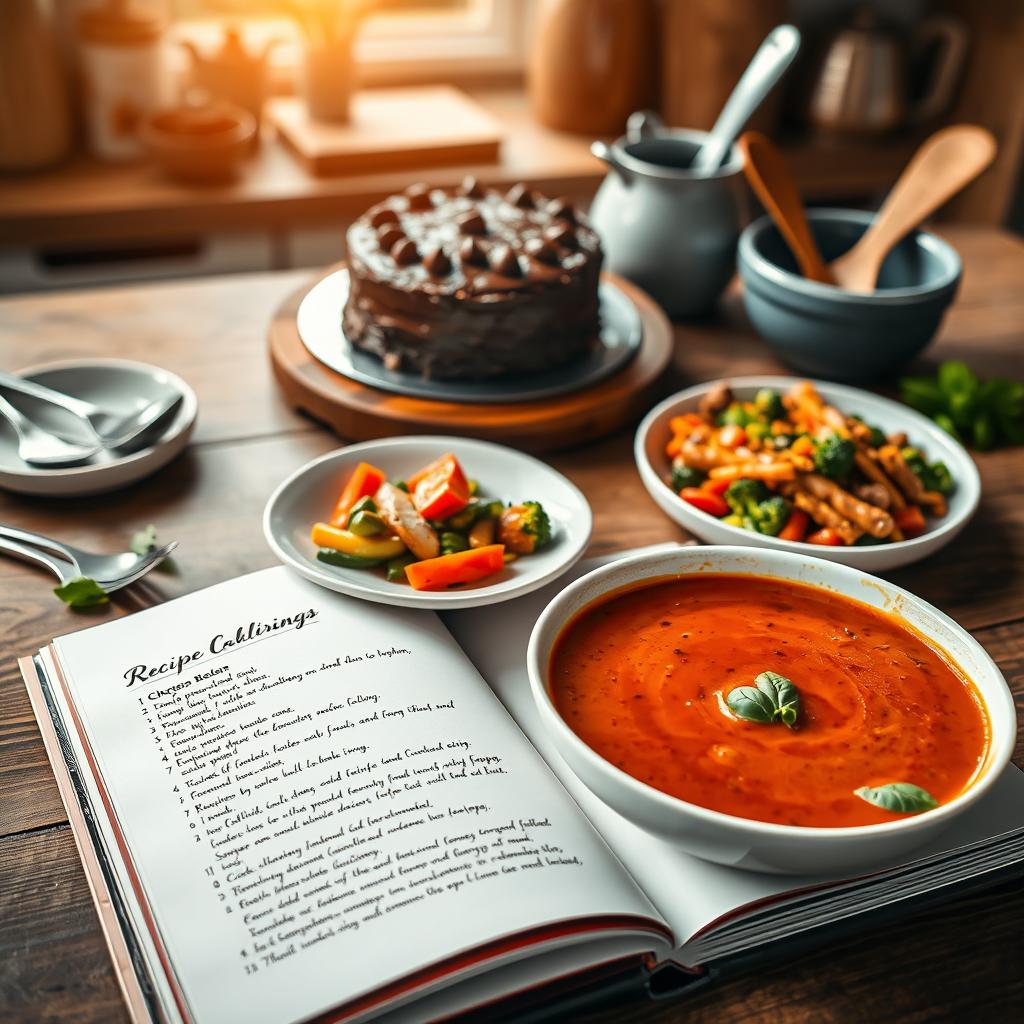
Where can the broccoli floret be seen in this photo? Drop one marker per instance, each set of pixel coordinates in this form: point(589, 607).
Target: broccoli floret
point(774, 513)
point(769, 404)
point(833, 456)
point(524, 528)
point(686, 476)
point(759, 511)
point(733, 415)
point(934, 476)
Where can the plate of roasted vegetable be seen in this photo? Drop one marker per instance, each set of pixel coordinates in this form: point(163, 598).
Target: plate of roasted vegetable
point(428, 522)
point(807, 466)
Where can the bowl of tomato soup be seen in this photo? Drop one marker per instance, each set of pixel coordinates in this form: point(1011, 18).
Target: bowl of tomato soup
point(767, 710)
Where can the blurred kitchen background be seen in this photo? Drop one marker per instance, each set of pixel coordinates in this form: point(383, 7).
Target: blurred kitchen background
point(146, 139)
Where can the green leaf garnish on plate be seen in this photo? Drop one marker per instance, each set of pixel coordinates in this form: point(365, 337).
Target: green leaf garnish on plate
point(898, 797)
point(82, 592)
point(772, 698)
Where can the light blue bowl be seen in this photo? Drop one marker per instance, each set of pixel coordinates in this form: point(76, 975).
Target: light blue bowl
point(827, 332)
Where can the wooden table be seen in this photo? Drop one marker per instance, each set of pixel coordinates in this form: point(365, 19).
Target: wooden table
point(963, 961)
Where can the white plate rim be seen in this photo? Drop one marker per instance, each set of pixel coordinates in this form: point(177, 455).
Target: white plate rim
point(436, 601)
point(967, 479)
point(181, 425)
point(438, 391)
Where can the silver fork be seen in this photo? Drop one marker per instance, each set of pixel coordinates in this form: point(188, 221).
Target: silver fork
point(39, 447)
point(110, 571)
point(111, 430)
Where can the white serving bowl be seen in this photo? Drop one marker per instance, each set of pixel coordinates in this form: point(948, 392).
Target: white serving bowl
point(655, 468)
point(309, 494)
point(741, 842)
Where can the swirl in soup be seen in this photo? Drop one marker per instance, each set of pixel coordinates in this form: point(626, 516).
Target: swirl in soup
point(644, 677)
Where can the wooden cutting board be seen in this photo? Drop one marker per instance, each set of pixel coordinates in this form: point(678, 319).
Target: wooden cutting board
point(357, 412)
point(391, 129)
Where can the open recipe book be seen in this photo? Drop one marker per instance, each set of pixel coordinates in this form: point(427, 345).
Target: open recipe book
point(296, 806)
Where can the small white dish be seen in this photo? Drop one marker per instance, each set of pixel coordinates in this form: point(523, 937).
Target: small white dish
point(654, 466)
point(743, 842)
point(121, 385)
point(309, 495)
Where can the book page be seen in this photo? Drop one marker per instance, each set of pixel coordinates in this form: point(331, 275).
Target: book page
point(693, 894)
point(320, 795)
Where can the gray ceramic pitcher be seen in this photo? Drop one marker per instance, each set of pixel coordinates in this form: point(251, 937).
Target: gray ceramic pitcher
point(666, 227)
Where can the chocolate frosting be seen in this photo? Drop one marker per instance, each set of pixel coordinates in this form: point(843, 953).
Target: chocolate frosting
point(499, 284)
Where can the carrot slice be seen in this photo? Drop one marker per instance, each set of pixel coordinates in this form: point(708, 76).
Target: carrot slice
point(717, 485)
point(796, 525)
point(440, 489)
point(460, 567)
point(363, 483)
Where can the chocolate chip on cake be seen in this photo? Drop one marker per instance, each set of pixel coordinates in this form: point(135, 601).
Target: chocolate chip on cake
point(392, 233)
point(471, 187)
point(385, 215)
point(419, 197)
point(561, 234)
point(520, 195)
point(504, 262)
point(472, 223)
point(562, 209)
point(405, 252)
point(437, 262)
point(471, 253)
point(543, 251)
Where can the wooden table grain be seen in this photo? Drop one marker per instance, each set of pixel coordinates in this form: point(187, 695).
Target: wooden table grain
point(962, 961)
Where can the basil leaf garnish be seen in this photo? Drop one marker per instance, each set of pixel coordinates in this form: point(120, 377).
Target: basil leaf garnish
point(750, 703)
point(81, 592)
point(772, 698)
point(898, 797)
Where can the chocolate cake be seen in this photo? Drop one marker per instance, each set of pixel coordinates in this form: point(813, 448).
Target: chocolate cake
point(470, 283)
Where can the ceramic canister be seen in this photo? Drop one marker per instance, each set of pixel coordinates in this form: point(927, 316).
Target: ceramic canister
point(123, 75)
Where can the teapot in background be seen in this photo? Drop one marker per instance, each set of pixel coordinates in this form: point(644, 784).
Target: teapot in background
point(670, 229)
point(864, 84)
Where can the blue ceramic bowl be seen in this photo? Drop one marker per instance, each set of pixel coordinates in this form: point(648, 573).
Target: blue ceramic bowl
point(828, 332)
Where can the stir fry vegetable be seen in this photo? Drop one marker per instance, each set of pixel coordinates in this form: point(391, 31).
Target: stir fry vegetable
point(433, 531)
point(793, 467)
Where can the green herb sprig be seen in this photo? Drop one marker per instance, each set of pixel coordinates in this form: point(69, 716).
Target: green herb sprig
point(82, 592)
point(772, 698)
point(898, 797)
point(981, 413)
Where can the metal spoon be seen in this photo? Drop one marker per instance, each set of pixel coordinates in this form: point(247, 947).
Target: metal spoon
point(39, 447)
point(766, 67)
point(110, 571)
point(111, 429)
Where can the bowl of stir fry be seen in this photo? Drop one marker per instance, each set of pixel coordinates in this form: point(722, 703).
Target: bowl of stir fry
point(807, 466)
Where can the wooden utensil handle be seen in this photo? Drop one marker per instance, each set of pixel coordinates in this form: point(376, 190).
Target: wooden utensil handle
point(938, 170)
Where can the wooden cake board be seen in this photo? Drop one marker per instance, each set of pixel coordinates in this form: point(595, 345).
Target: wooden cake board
point(391, 129)
point(359, 413)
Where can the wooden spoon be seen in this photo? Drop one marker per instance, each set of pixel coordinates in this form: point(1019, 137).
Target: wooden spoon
point(946, 162)
point(769, 175)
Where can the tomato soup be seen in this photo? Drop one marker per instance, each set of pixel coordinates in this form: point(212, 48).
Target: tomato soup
point(644, 677)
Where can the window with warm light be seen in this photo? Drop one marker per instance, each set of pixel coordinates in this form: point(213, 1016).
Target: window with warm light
point(399, 41)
